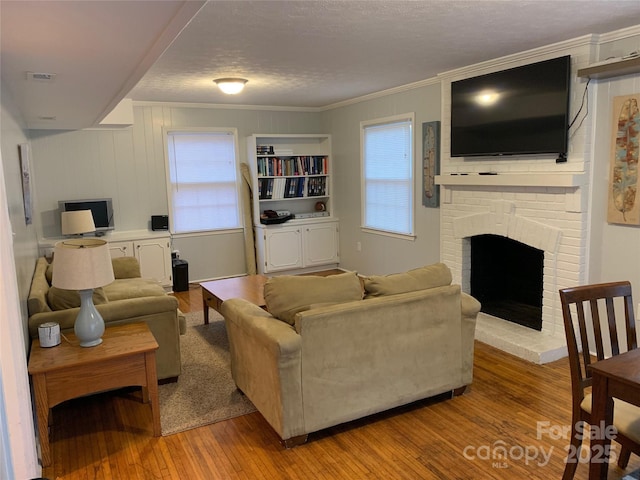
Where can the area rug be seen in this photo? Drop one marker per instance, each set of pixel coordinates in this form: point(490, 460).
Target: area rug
point(205, 392)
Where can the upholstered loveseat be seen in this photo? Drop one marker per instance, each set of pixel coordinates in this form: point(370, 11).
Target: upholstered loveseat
point(330, 350)
point(128, 299)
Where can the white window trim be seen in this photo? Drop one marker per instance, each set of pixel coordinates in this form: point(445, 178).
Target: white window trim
point(165, 138)
point(380, 121)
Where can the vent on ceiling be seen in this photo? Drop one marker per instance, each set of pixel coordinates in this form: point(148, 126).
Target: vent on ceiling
point(45, 77)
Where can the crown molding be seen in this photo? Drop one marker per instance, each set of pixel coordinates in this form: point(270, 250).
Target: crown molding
point(521, 57)
point(144, 103)
point(619, 34)
point(351, 101)
point(382, 93)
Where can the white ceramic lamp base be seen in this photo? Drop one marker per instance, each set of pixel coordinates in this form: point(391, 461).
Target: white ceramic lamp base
point(89, 325)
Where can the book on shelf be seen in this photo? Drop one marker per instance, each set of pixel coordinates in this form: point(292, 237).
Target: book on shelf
point(292, 166)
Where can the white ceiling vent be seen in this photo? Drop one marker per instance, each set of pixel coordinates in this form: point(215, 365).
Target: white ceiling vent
point(42, 77)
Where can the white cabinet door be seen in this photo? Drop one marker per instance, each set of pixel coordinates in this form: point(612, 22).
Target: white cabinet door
point(320, 244)
point(154, 256)
point(121, 249)
point(283, 249)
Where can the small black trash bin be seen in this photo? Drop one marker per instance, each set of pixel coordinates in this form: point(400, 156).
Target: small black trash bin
point(180, 275)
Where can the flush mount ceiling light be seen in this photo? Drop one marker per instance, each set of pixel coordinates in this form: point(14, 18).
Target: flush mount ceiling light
point(231, 86)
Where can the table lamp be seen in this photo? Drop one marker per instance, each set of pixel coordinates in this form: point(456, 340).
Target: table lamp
point(77, 222)
point(84, 264)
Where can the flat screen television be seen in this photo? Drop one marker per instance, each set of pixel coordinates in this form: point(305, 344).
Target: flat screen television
point(101, 209)
point(522, 110)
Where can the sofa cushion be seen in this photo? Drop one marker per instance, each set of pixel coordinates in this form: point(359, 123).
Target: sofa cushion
point(133, 288)
point(37, 301)
point(288, 294)
point(60, 299)
point(123, 267)
point(126, 267)
point(49, 273)
point(430, 276)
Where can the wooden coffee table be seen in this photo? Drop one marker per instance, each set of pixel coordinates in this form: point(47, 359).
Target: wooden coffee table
point(126, 357)
point(249, 287)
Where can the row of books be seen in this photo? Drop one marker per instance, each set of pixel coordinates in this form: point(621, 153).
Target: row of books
point(291, 166)
point(276, 188)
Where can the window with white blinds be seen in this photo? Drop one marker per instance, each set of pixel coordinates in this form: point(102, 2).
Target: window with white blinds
point(202, 181)
point(387, 174)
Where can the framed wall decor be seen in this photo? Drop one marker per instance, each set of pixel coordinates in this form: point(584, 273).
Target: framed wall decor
point(25, 170)
point(624, 204)
point(430, 163)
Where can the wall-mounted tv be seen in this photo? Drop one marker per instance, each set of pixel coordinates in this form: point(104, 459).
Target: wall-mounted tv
point(101, 209)
point(522, 110)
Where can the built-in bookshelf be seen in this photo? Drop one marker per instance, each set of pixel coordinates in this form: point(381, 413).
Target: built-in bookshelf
point(291, 173)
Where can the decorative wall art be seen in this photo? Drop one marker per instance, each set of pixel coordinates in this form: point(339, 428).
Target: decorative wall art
point(624, 205)
point(25, 170)
point(430, 163)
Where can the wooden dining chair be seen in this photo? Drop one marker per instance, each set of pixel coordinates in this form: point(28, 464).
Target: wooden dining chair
point(591, 325)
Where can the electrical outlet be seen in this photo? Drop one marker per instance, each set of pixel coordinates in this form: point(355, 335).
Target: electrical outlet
point(359, 246)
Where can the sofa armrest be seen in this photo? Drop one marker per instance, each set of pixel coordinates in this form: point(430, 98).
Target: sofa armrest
point(470, 308)
point(265, 364)
point(116, 311)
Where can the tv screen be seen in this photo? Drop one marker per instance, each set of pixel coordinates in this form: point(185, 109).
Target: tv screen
point(101, 209)
point(523, 110)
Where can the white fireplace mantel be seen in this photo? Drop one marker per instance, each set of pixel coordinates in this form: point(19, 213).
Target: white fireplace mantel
point(565, 179)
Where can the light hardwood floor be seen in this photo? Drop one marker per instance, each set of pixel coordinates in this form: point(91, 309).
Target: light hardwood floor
point(511, 405)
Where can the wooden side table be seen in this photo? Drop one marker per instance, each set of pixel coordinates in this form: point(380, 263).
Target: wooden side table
point(126, 357)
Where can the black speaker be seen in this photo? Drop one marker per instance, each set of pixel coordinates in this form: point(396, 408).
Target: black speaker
point(159, 222)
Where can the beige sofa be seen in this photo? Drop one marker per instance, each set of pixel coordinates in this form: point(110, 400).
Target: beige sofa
point(128, 299)
point(323, 355)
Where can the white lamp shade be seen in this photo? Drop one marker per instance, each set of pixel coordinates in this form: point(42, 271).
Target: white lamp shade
point(81, 264)
point(75, 222)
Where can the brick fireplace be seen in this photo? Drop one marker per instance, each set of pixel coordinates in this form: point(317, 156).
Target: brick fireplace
point(529, 199)
point(545, 211)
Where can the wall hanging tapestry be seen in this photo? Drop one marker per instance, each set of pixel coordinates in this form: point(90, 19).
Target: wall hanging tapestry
point(624, 206)
point(430, 163)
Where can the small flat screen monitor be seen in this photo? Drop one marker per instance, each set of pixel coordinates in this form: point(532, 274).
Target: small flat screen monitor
point(101, 209)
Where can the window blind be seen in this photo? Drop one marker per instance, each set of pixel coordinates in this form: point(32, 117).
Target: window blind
point(203, 189)
point(388, 176)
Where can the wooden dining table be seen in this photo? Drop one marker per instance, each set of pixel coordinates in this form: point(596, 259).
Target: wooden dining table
point(614, 377)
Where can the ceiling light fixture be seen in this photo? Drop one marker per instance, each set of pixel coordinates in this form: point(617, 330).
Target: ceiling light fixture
point(231, 86)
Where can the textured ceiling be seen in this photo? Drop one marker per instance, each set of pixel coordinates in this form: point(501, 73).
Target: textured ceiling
point(318, 53)
point(97, 50)
point(308, 54)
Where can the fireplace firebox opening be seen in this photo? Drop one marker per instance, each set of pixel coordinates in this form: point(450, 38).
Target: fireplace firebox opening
point(506, 277)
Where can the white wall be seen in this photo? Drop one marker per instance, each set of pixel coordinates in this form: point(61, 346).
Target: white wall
point(128, 165)
point(615, 252)
point(17, 259)
point(381, 254)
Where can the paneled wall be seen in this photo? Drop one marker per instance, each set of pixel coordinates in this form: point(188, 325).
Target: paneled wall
point(18, 253)
point(128, 165)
